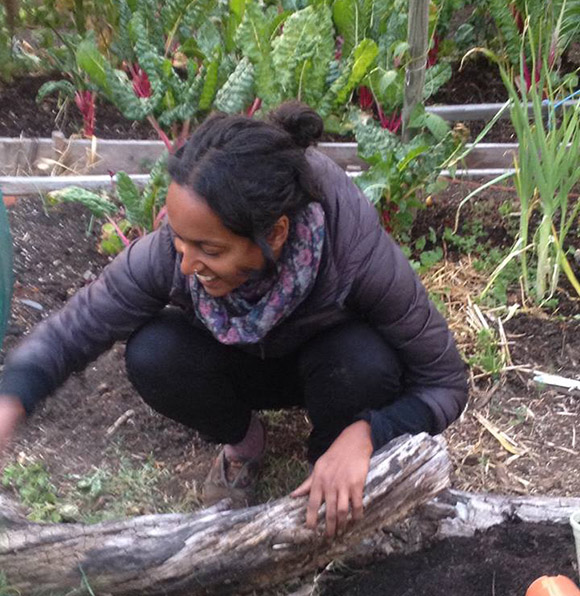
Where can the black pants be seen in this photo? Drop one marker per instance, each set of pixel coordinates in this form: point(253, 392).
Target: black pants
point(188, 376)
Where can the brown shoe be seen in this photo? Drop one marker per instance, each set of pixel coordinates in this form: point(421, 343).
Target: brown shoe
point(234, 480)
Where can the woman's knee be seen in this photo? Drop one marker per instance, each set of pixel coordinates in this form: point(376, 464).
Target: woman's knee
point(349, 369)
point(153, 349)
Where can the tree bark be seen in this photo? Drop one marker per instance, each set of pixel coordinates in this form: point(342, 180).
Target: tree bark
point(214, 551)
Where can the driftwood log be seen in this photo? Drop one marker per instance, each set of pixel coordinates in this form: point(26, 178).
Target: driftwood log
point(456, 513)
point(214, 551)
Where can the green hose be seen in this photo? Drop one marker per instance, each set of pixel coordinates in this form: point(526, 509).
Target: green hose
point(6, 273)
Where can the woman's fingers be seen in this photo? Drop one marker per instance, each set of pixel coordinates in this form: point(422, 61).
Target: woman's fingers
point(314, 502)
point(303, 489)
point(331, 499)
point(356, 500)
point(342, 507)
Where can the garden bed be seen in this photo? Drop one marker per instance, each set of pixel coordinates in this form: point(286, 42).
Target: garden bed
point(146, 463)
point(21, 115)
point(504, 560)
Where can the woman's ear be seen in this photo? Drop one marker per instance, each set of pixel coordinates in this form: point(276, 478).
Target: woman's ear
point(278, 235)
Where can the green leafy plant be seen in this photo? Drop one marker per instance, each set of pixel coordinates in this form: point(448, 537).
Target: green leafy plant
point(487, 356)
point(119, 491)
point(132, 213)
point(294, 57)
point(386, 23)
point(401, 175)
point(76, 88)
point(32, 483)
point(171, 64)
point(6, 272)
point(531, 32)
point(547, 167)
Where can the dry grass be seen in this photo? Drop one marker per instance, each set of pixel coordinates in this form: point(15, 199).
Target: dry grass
point(515, 436)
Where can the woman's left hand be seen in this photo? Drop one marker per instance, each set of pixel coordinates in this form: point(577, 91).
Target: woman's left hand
point(338, 479)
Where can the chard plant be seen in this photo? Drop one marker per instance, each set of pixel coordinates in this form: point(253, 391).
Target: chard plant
point(169, 64)
point(533, 34)
point(293, 56)
point(131, 213)
point(382, 92)
point(76, 88)
point(401, 175)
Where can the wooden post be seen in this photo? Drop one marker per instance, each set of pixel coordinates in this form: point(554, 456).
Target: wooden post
point(418, 38)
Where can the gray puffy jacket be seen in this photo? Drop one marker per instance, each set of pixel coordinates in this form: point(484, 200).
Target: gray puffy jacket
point(363, 274)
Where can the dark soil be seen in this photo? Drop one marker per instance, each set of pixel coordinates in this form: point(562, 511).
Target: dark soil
point(21, 115)
point(477, 82)
point(503, 561)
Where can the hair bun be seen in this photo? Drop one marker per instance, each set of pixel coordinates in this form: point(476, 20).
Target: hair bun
point(303, 124)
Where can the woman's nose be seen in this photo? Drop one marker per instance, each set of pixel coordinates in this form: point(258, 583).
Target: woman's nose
point(190, 262)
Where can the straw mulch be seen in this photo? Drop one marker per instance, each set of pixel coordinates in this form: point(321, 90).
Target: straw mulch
point(516, 436)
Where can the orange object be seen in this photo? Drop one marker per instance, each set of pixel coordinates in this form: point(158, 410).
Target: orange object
point(9, 200)
point(558, 585)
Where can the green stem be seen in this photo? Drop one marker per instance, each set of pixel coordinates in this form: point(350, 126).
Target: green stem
point(543, 252)
point(152, 120)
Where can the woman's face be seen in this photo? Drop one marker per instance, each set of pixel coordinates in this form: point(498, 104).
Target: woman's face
point(220, 259)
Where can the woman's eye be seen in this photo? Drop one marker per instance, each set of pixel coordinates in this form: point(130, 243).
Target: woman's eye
point(210, 252)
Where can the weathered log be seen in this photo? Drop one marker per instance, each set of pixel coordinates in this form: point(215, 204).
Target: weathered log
point(214, 551)
point(462, 513)
point(456, 513)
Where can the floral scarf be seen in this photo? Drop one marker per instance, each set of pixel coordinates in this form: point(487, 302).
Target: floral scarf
point(249, 312)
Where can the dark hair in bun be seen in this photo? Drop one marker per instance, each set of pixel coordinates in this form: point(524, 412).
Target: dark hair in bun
point(250, 172)
point(303, 124)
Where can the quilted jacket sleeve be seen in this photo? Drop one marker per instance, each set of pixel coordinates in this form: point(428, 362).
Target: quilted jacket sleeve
point(387, 292)
point(130, 290)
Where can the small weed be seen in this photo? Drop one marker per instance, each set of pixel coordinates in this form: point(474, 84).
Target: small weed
point(488, 356)
point(438, 301)
point(423, 252)
point(131, 489)
point(5, 588)
point(110, 492)
point(521, 414)
point(469, 241)
point(32, 483)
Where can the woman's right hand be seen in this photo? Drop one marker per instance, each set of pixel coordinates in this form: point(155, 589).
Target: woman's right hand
point(11, 414)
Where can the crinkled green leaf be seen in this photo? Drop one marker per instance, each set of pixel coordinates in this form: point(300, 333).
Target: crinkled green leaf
point(294, 46)
point(65, 87)
point(238, 90)
point(373, 140)
point(130, 197)
point(375, 182)
point(93, 63)
point(209, 86)
point(98, 205)
point(354, 71)
point(252, 34)
point(435, 78)
point(346, 18)
point(235, 16)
